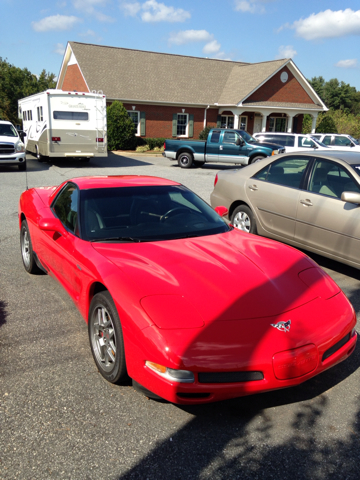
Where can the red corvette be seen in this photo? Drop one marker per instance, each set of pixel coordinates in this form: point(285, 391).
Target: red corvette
point(189, 307)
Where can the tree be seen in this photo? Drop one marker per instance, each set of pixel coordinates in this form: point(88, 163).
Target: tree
point(120, 128)
point(16, 83)
point(326, 125)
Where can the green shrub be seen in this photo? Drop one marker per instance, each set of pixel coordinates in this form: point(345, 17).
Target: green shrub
point(142, 148)
point(204, 133)
point(121, 129)
point(326, 125)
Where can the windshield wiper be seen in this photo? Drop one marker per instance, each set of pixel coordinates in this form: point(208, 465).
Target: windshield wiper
point(117, 239)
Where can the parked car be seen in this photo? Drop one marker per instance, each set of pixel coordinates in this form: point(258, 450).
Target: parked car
point(12, 149)
point(308, 200)
point(338, 141)
point(171, 292)
point(222, 145)
point(293, 142)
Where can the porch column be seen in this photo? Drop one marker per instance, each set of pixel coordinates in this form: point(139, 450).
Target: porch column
point(290, 123)
point(236, 121)
point(313, 125)
point(263, 123)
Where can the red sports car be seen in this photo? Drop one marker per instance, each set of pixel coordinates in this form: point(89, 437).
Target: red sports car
point(189, 307)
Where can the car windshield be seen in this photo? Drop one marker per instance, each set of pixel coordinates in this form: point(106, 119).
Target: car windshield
point(247, 137)
point(322, 145)
point(7, 131)
point(354, 140)
point(149, 213)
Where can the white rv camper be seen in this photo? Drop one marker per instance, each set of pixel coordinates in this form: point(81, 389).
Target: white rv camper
point(64, 124)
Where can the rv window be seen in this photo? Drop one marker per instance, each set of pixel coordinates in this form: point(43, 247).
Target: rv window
point(24, 115)
point(70, 115)
point(40, 114)
point(29, 115)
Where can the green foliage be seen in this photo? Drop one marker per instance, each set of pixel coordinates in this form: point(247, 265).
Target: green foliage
point(121, 129)
point(142, 148)
point(337, 95)
point(307, 123)
point(326, 124)
point(204, 133)
point(345, 123)
point(17, 83)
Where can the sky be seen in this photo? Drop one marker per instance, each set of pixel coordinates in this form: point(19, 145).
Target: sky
point(322, 37)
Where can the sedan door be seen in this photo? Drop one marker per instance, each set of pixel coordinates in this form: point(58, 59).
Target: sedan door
point(325, 222)
point(274, 195)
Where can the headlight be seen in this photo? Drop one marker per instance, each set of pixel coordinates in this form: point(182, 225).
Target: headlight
point(275, 152)
point(20, 147)
point(181, 376)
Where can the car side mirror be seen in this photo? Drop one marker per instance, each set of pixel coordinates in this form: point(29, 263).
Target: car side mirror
point(240, 141)
point(52, 225)
point(350, 197)
point(237, 141)
point(222, 211)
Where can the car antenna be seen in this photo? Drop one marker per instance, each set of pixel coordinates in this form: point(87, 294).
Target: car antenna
point(26, 179)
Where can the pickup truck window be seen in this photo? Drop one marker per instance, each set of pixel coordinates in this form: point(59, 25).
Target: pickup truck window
point(230, 137)
point(215, 136)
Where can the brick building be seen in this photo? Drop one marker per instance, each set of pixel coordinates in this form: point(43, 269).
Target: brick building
point(176, 96)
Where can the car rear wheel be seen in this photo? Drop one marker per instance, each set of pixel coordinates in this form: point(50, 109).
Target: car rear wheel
point(27, 253)
point(40, 157)
point(243, 219)
point(185, 160)
point(106, 338)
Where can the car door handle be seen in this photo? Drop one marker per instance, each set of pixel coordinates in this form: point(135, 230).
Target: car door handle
point(306, 202)
point(253, 187)
point(221, 147)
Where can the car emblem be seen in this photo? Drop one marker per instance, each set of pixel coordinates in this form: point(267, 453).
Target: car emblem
point(282, 326)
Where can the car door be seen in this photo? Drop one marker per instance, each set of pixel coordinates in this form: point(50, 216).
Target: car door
point(230, 151)
point(212, 146)
point(325, 222)
point(306, 143)
point(274, 195)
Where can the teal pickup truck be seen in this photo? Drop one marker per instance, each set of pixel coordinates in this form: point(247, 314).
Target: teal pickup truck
point(222, 145)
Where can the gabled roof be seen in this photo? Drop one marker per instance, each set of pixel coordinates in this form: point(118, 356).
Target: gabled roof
point(136, 75)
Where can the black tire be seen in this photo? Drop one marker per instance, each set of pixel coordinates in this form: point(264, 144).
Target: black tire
point(185, 160)
point(106, 338)
point(257, 159)
point(243, 219)
point(198, 163)
point(27, 253)
point(40, 158)
point(22, 166)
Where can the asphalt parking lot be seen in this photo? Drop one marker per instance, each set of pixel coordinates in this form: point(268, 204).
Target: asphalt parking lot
point(59, 419)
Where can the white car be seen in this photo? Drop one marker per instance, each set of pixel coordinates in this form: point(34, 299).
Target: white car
point(338, 140)
point(12, 149)
point(293, 142)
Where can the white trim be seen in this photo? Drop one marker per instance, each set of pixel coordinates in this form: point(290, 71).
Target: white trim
point(69, 56)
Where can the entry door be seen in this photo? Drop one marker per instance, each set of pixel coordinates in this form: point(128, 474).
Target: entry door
point(257, 124)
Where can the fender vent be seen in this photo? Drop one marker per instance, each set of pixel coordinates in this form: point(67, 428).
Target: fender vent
point(229, 377)
point(330, 351)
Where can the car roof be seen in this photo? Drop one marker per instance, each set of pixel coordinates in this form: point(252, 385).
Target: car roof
point(352, 158)
point(5, 122)
point(279, 133)
point(112, 181)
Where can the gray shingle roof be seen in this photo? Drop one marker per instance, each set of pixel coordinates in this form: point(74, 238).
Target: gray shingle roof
point(159, 77)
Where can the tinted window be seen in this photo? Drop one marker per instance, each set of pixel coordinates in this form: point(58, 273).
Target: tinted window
point(66, 207)
point(288, 173)
point(327, 140)
point(7, 131)
point(342, 142)
point(70, 115)
point(330, 178)
point(140, 214)
point(215, 136)
point(306, 142)
point(230, 137)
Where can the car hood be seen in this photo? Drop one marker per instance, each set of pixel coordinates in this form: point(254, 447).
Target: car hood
point(6, 139)
point(229, 276)
point(273, 146)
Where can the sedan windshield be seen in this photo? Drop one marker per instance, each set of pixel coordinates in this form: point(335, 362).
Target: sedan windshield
point(150, 213)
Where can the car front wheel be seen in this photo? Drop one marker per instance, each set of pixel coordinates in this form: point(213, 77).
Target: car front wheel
point(27, 253)
point(243, 219)
point(106, 338)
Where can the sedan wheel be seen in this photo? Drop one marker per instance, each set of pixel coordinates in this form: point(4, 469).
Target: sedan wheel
point(106, 338)
point(243, 219)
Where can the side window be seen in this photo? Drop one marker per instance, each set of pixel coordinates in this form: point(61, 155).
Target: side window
point(327, 140)
point(40, 114)
point(66, 207)
point(306, 142)
point(288, 173)
point(229, 137)
point(135, 117)
point(331, 179)
point(342, 142)
point(215, 136)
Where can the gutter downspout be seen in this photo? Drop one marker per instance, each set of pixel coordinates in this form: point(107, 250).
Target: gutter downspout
point(205, 115)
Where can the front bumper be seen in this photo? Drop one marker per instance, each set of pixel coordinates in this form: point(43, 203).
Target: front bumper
point(13, 159)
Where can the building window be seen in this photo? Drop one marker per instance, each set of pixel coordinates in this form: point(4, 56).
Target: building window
point(243, 123)
point(277, 124)
point(135, 117)
point(182, 124)
point(227, 121)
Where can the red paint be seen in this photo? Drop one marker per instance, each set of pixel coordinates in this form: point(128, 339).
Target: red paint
point(204, 304)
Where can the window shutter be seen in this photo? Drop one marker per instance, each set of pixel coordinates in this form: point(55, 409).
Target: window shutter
point(142, 124)
point(218, 121)
point(191, 126)
point(174, 125)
